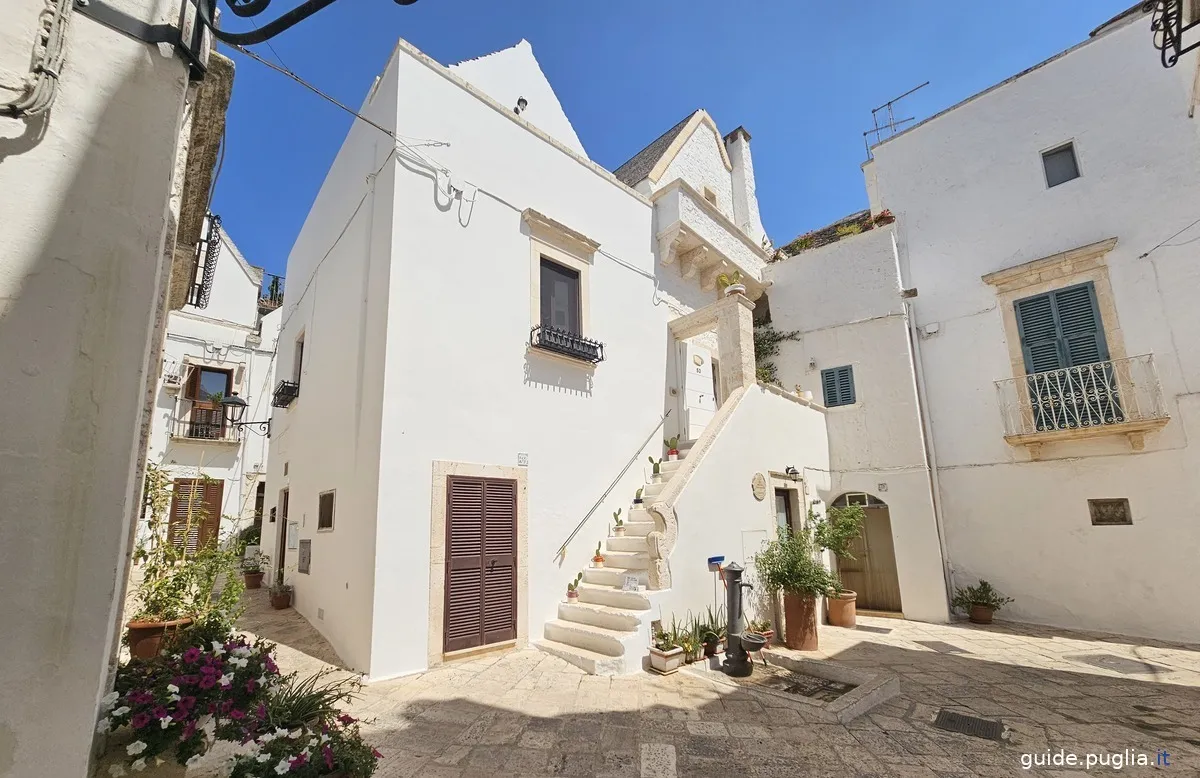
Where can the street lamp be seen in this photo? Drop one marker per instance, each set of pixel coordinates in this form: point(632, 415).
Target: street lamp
point(234, 408)
point(205, 9)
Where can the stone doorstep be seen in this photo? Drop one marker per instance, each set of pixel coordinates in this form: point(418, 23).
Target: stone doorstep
point(871, 689)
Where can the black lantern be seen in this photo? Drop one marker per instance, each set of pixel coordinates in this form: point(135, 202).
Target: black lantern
point(234, 408)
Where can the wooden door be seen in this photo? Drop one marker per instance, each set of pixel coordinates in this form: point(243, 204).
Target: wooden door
point(195, 512)
point(481, 562)
point(281, 530)
point(699, 398)
point(872, 573)
point(206, 388)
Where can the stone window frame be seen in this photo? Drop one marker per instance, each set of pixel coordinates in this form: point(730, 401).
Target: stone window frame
point(1057, 271)
point(573, 250)
point(442, 470)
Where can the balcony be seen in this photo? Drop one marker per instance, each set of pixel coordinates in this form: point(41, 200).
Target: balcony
point(270, 295)
point(285, 393)
point(1116, 397)
point(204, 427)
point(567, 344)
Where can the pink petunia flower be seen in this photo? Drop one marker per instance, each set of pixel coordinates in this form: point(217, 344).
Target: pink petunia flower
point(208, 682)
point(346, 719)
point(328, 753)
point(300, 760)
point(191, 655)
point(159, 712)
point(140, 720)
point(375, 753)
point(236, 714)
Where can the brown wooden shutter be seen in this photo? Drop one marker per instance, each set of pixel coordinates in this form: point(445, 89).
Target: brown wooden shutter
point(481, 562)
point(203, 500)
point(214, 492)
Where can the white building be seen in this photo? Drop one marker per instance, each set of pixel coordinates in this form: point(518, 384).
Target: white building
point(1034, 392)
point(481, 335)
point(221, 342)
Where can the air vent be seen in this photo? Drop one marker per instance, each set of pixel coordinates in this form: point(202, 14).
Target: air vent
point(969, 725)
point(1109, 512)
point(321, 614)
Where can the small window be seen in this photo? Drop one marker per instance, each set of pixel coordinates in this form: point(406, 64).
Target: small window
point(325, 510)
point(1109, 512)
point(710, 195)
point(560, 298)
point(298, 364)
point(838, 384)
point(783, 509)
point(209, 385)
point(1060, 165)
point(304, 558)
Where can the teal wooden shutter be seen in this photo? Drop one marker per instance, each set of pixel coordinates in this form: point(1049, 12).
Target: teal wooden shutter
point(1039, 333)
point(837, 383)
point(1061, 329)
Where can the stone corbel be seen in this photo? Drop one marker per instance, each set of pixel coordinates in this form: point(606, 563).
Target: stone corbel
point(659, 544)
point(666, 245)
point(1137, 440)
point(691, 260)
point(708, 279)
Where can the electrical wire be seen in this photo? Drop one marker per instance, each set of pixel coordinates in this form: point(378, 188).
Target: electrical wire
point(1160, 245)
point(49, 56)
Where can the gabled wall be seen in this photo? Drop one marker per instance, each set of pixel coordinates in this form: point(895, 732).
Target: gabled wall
point(699, 162)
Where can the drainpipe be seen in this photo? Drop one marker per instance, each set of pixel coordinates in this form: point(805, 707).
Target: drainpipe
point(931, 466)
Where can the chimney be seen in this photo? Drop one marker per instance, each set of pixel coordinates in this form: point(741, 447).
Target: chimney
point(745, 201)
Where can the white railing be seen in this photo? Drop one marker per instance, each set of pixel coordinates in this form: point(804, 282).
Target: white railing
point(1117, 391)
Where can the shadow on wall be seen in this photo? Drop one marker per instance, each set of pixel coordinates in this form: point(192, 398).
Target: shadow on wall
point(75, 323)
point(192, 454)
point(555, 375)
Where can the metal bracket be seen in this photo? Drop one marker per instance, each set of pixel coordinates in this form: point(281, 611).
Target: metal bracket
point(194, 51)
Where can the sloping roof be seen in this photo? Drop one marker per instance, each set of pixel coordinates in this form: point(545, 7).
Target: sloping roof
point(640, 165)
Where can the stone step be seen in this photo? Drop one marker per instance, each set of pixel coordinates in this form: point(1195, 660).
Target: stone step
point(625, 543)
point(620, 619)
point(668, 468)
point(613, 576)
point(639, 528)
point(638, 513)
point(652, 490)
point(590, 637)
point(588, 661)
point(614, 598)
point(634, 560)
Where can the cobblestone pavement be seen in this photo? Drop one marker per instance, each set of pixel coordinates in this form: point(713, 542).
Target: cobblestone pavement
point(525, 713)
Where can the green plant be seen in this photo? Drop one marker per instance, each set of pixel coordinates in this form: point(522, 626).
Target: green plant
point(725, 280)
point(839, 529)
point(296, 701)
point(598, 557)
point(760, 625)
point(255, 563)
point(656, 463)
point(845, 230)
point(672, 443)
point(638, 494)
point(251, 536)
point(617, 522)
point(279, 588)
point(789, 564)
point(575, 584)
point(982, 593)
point(766, 346)
point(666, 641)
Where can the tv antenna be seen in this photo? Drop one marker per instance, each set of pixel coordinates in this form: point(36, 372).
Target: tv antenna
point(885, 121)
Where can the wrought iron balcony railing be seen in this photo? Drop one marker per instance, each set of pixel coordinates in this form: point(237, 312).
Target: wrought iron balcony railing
point(1118, 396)
point(566, 343)
point(205, 426)
point(285, 393)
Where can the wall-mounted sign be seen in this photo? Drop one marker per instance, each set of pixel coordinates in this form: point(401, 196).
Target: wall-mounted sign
point(629, 583)
point(522, 459)
point(293, 535)
point(305, 559)
point(758, 485)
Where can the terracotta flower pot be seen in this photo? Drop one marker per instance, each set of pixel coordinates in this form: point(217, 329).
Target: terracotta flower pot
point(769, 634)
point(572, 596)
point(146, 637)
point(281, 601)
point(842, 611)
point(665, 662)
point(253, 580)
point(800, 621)
point(981, 614)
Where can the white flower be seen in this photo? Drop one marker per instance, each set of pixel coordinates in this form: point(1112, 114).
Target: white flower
point(121, 711)
point(262, 679)
point(116, 770)
point(324, 738)
point(104, 725)
point(174, 698)
point(239, 662)
point(297, 733)
point(226, 680)
point(172, 688)
point(282, 767)
point(218, 648)
point(281, 732)
point(195, 760)
point(109, 700)
point(164, 723)
point(135, 748)
point(266, 737)
point(263, 757)
point(138, 766)
point(242, 651)
point(313, 741)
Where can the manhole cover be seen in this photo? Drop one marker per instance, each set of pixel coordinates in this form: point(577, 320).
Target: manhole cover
point(779, 680)
point(880, 630)
point(1118, 664)
point(941, 647)
point(968, 725)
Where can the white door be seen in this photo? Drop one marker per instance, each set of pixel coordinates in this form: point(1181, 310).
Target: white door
point(699, 404)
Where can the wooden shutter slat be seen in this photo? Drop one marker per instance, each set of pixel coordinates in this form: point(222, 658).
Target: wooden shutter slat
point(1079, 325)
point(481, 562)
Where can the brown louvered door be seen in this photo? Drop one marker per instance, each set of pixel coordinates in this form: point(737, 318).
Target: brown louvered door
point(481, 562)
point(202, 501)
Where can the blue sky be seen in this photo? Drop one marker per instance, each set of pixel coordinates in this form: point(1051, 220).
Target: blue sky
point(801, 76)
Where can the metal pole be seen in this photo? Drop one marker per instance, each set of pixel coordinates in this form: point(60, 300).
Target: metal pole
point(736, 659)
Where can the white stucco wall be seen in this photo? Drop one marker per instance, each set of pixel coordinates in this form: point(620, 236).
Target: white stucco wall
point(969, 192)
point(510, 74)
point(83, 193)
point(844, 299)
point(718, 514)
point(329, 438)
point(235, 288)
point(745, 191)
point(699, 162)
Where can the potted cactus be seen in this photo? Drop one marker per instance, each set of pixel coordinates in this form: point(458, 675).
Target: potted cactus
point(598, 558)
point(672, 445)
point(656, 474)
point(979, 601)
point(618, 524)
point(637, 496)
point(572, 589)
point(666, 655)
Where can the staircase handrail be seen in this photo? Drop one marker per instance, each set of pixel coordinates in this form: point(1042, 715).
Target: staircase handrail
point(562, 550)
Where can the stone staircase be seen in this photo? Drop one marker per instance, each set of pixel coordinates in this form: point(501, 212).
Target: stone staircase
point(607, 632)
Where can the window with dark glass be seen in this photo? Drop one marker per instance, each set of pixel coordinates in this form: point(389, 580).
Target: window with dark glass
point(783, 509)
point(560, 298)
point(1060, 165)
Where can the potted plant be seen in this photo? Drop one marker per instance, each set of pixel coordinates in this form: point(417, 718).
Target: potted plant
point(637, 496)
point(672, 445)
point(762, 627)
point(713, 632)
point(731, 283)
point(838, 531)
point(666, 655)
point(841, 608)
point(573, 589)
point(598, 558)
point(656, 474)
point(252, 569)
point(618, 524)
point(980, 602)
point(281, 596)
